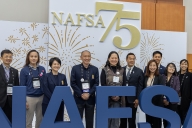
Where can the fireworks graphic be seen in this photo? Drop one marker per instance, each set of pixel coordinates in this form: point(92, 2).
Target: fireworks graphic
point(148, 45)
point(22, 44)
point(67, 44)
point(34, 25)
point(12, 39)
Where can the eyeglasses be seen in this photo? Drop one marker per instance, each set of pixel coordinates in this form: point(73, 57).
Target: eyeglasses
point(172, 67)
point(8, 57)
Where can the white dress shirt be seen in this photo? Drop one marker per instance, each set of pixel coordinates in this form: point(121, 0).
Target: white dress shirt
point(127, 69)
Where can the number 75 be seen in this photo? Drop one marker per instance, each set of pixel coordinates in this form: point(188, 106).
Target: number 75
point(117, 41)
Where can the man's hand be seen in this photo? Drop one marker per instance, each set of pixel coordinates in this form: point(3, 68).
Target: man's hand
point(85, 96)
point(136, 102)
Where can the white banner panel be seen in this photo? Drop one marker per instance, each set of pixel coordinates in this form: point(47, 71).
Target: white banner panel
point(20, 37)
point(173, 46)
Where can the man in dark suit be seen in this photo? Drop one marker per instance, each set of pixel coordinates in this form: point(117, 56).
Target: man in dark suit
point(84, 79)
point(157, 56)
point(8, 79)
point(135, 78)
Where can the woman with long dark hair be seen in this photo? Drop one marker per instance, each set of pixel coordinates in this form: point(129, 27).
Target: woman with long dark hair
point(113, 75)
point(172, 80)
point(31, 76)
point(152, 77)
point(185, 78)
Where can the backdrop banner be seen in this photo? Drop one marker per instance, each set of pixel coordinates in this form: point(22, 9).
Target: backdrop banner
point(20, 37)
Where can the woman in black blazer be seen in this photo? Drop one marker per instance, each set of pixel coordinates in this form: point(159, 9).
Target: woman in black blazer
point(172, 80)
point(185, 78)
point(53, 79)
point(152, 77)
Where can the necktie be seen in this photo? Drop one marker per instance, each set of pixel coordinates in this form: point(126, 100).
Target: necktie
point(7, 74)
point(128, 73)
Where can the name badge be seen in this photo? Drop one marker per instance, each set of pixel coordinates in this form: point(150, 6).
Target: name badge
point(85, 86)
point(115, 79)
point(36, 82)
point(9, 89)
point(62, 82)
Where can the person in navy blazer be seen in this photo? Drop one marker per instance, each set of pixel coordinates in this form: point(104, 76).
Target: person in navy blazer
point(135, 77)
point(84, 79)
point(157, 56)
point(51, 80)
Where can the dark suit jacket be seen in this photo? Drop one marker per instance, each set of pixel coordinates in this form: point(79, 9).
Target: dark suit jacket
point(3, 85)
point(50, 83)
point(161, 70)
point(136, 79)
point(186, 91)
point(159, 80)
point(77, 85)
point(175, 83)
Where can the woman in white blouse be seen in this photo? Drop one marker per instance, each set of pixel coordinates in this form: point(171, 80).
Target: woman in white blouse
point(152, 77)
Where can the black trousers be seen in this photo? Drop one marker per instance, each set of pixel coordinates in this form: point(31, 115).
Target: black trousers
point(131, 121)
point(182, 113)
point(7, 109)
point(155, 122)
point(60, 113)
point(172, 107)
point(89, 113)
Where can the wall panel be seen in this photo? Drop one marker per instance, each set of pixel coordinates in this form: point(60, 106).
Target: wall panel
point(171, 1)
point(189, 58)
point(148, 13)
point(170, 17)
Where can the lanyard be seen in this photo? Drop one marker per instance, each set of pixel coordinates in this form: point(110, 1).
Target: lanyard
point(116, 73)
point(171, 80)
point(182, 78)
point(152, 81)
point(82, 73)
point(31, 71)
point(11, 71)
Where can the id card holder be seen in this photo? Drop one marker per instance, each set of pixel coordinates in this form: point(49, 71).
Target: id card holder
point(9, 89)
point(179, 103)
point(127, 83)
point(115, 79)
point(36, 82)
point(85, 86)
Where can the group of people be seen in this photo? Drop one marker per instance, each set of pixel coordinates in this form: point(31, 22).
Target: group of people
point(84, 79)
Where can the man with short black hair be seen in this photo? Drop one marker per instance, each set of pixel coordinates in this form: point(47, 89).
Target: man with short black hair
point(157, 56)
point(84, 79)
point(8, 79)
point(135, 78)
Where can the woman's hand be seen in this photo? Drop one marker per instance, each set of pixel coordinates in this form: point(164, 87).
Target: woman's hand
point(166, 103)
point(27, 106)
point(115, 98)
